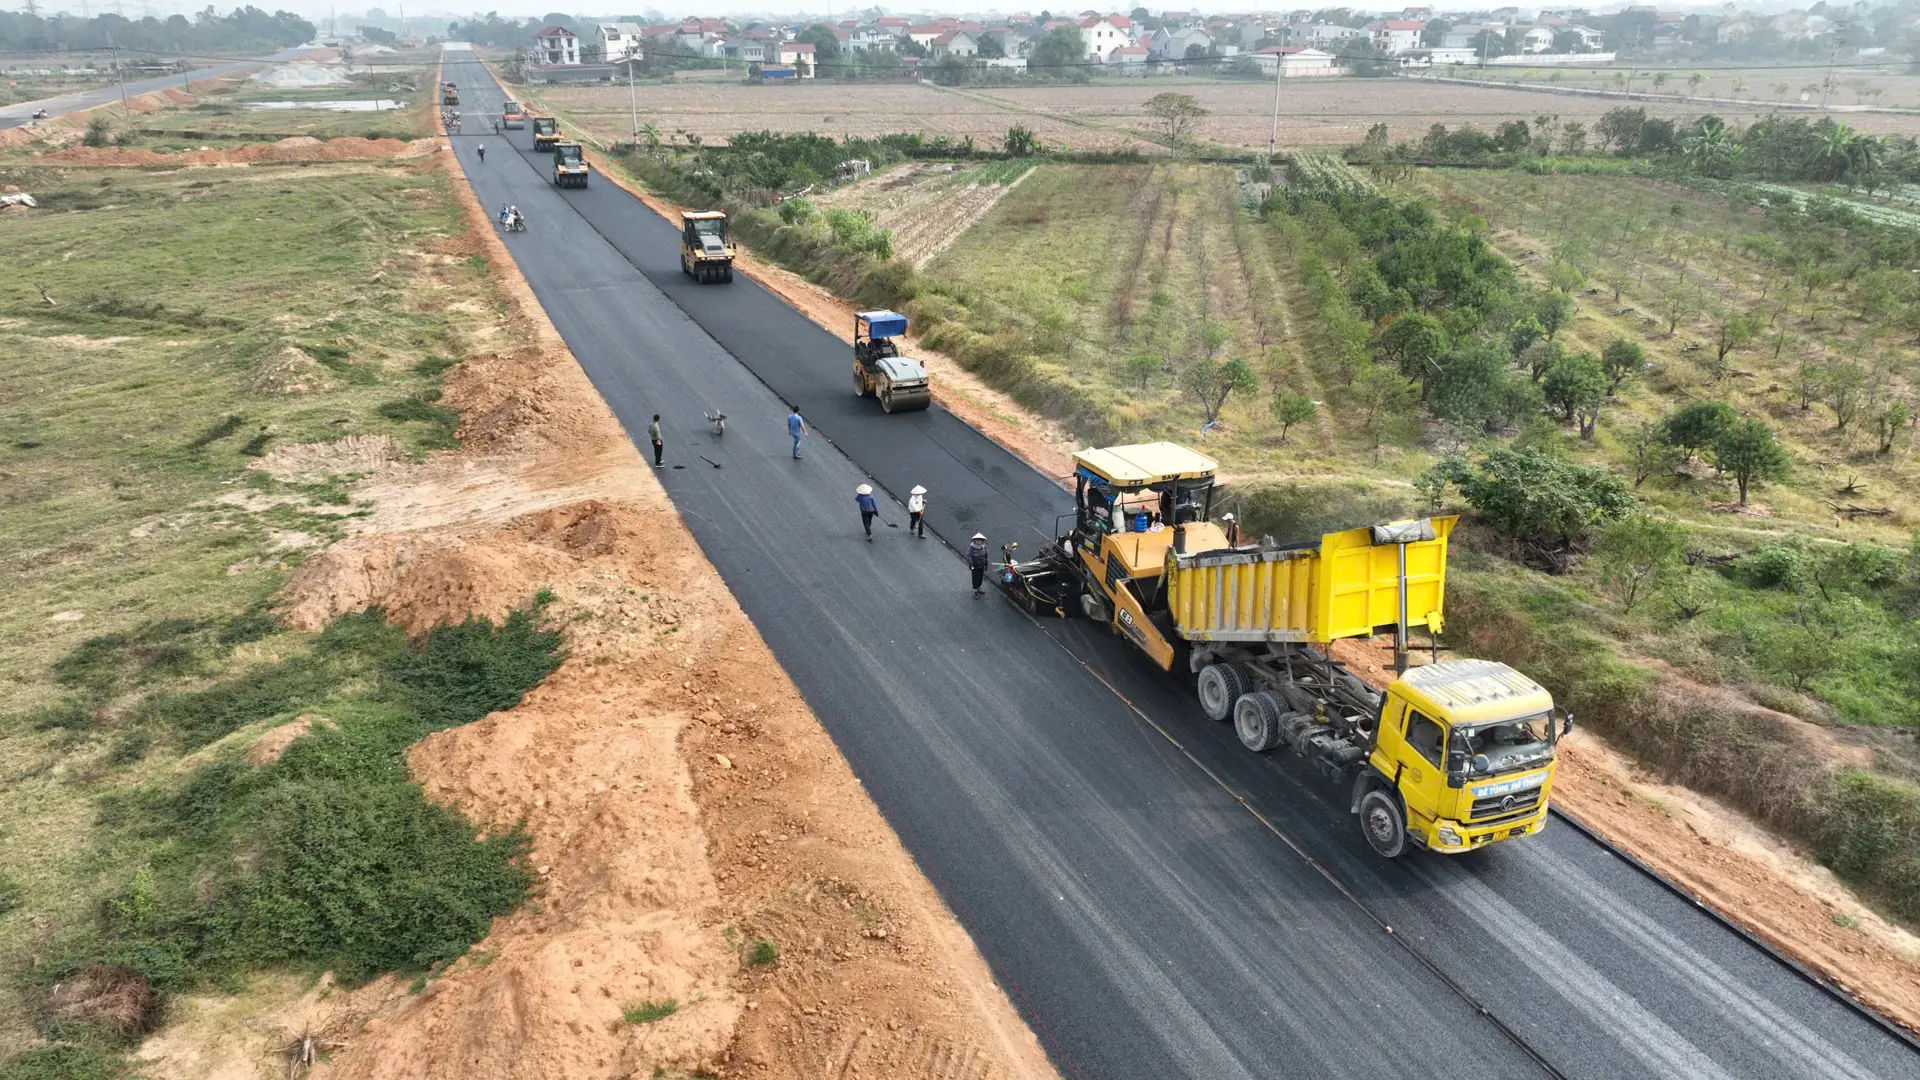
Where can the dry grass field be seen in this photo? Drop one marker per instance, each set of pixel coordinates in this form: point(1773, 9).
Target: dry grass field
point(1107, 115)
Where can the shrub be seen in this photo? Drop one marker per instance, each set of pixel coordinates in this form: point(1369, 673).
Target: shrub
point(647, 1012)
point(99, 132)
point(1544, 502)
point(763, 953)
point(797, 211)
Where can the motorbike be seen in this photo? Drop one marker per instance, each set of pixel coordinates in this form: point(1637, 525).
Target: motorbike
point(40, 114)
point(516, 223)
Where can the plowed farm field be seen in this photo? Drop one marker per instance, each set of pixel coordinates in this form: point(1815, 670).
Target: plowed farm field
point(927, 206)
point(1107, 115)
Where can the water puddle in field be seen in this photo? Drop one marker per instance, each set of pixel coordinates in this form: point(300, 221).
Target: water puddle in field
point(362, 105)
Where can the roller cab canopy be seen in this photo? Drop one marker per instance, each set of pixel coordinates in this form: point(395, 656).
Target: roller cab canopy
point(1144, 465)
point(880, 324)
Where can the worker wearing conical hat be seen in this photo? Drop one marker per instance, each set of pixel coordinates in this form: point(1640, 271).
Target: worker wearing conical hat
point(863, 495)
point(916, 511)
point(977, 561)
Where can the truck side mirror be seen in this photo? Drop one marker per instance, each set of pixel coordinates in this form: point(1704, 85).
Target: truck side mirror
point(1566, 722)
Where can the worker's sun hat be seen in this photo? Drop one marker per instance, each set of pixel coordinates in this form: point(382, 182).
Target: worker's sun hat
point(1226, 517)
point(979, 536)
point(917, 490)
point(863, 489)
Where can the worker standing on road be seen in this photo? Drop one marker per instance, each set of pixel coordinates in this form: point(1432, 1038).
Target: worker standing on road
point(917, 511)
point(977, 561)
point(796, 427)
point(868, 508)
point(653, 433)
point(483, 153)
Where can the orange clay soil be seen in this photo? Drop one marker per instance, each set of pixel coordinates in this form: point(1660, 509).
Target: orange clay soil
point(683, 803)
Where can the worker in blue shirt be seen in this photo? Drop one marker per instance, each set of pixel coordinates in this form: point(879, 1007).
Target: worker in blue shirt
point(796, 427)
point(868, 508)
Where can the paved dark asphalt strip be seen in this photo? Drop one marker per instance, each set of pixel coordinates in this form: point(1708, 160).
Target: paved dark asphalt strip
point(1147, 926)
point(14, 115)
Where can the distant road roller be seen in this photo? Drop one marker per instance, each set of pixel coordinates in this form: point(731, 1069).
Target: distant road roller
point(900, 382)
point(706, 255)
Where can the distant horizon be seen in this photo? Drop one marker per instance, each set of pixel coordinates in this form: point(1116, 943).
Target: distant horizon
point(320, 14)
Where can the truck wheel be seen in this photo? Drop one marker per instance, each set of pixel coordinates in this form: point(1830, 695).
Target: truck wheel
point(1384, 823)
point(1256, 719)
point(1220, 686)
point(726, 276)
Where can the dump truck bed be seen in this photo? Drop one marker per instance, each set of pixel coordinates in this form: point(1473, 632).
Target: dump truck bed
point(1345, 586)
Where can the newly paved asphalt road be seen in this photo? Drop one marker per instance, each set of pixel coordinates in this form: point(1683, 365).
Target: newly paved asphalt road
point(14, 115)
point(1144, 921)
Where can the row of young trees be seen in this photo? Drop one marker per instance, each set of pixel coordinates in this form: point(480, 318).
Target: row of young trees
point(207, 31)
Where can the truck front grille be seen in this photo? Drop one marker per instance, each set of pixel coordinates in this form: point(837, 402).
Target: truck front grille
point(1501, 807)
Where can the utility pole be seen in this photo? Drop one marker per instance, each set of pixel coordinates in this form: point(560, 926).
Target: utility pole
point(633, 102)
point(119, 73)
point(1279, 72)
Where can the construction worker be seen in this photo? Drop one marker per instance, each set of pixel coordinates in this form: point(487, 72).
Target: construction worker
point(1233, 530)
point(863, 495)
point(977, 561)
point(653, 433)
point(483, 153)
point(916, 511)
point(796, 427)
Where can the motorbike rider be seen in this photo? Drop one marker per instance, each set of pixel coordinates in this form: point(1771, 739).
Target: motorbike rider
point(506, 214)
point(516, 222)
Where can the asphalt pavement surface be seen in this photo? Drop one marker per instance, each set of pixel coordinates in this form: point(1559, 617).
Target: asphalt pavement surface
point(1157, 901)
point(12, 116)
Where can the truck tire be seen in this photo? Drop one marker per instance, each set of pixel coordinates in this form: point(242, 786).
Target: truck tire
point(1219, 687)
point(1256, 720)
point(1384, 823)
point(726, 276)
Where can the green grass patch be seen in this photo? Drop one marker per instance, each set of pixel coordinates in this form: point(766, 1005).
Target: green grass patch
point(648, 1012)
point(763, 953)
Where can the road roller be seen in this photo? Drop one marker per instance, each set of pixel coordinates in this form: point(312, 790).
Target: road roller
point(900, 382)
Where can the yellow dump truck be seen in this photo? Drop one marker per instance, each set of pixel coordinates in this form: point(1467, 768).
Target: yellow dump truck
point(546, 132)
point(1450, 756)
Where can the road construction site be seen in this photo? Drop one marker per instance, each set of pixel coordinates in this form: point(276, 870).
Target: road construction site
point(1156, 900)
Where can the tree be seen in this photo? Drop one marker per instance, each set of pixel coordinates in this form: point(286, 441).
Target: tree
point(1289, 409)
point(1553, 309)
point(1730, 335)
point(1573, 137)
point(1843, 385)
point(1060, 51)
point(1577, 386)
point(1660, 79)
point(1384, 399)
point(1021, 141)
point(1177, 113)
point(826, 44)
point(1888, 423)
point(1539, 499)
point(1622, 360)
point(1636, 553)
point(1214, 335)
point(1649, 452)
point(1748, 452)
point(1620, 129)
point(1476, 386)
point(99, 132)
point(1693, 83)
point(1140, 367)
point(1677, 305)
point(1698, 426)
point(1210, 383)
point(1414, 345)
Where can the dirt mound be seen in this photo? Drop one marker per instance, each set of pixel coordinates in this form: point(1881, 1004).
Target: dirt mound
point(423, 580)
point(512, 402)
point(115, 998)
point(314, 462)
point(294, 148)
point(287, 370)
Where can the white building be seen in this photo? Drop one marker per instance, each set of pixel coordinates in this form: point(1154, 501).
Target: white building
point(620, 41)
point(555, 45)
point(955, 43)
point(1105, 34)
point(1173, 44)
point(1297, 61)
point(797, 54)
point(1395, 36)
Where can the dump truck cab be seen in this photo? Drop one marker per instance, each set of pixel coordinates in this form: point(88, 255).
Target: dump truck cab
point(569, 165)
point(706, 255)
point(449, 94)
point(1462, 755)
point(512, 115)
point(879, 369)
point(546, 132)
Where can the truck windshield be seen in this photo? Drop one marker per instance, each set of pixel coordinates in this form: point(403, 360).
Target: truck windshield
point(570, 155)
point(710, 226)
point(1507, 746)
